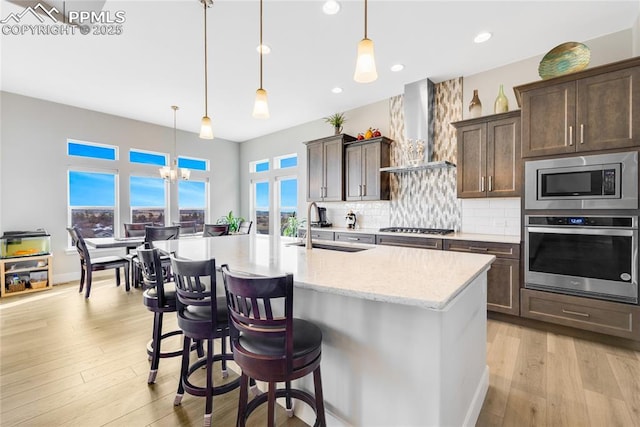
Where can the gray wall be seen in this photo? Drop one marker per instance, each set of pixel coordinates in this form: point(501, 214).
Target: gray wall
point(34, 164)
point(635, 34)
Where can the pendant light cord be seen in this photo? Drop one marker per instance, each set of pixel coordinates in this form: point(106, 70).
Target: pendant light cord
point(206, 88)
point(365, 19)
point(261, 45)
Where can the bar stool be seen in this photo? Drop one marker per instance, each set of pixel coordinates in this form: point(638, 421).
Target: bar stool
point(270, 346)
point(201, 316)
point(159, 297)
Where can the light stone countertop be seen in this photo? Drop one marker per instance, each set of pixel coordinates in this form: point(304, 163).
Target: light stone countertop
point(453, 236)
point(417, 277)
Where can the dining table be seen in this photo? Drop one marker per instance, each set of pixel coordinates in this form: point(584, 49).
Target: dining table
point(114, 242)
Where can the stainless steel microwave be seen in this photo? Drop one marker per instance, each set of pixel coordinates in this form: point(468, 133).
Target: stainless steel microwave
point(603, 181)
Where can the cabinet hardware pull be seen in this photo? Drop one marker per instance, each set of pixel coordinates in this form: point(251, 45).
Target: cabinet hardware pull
point(490, 182)
point(582, 133)
point(477, 248)
point(570, 135)
point(576, 313)
point(353, 238)
point(360, 190)
point(364, 189)
point(482, 183)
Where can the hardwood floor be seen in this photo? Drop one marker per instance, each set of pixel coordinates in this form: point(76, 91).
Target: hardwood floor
point(540, 378)
point(68, 361)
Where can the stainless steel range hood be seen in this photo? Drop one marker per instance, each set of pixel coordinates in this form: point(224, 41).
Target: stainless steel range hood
point(419, 123)
point(419, 102)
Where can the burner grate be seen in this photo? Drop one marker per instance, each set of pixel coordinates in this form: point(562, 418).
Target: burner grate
point(417, 230)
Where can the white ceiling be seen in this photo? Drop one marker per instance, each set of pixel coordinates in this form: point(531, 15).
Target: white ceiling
point(158, 61)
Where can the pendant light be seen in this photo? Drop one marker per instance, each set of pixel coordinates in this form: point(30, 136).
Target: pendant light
point(171, 173)
point(261, 107)
point(366, 62)
point(206, 132)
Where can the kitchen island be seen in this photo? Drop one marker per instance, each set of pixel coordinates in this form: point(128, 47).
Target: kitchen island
point(404, 330)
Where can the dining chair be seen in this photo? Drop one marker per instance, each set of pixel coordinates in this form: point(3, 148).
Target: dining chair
point(270, 345)
point(245, 227)
point(135, 229)
point(187, 227)
point(151, 234)
point(88, 265)
point(214, 230)
point(201, 316)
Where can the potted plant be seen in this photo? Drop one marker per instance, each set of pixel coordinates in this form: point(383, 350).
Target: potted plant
point(291, 227)
point(233, 221)
point(337, 120)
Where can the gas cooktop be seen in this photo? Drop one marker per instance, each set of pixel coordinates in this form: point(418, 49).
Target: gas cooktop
point(415, 230)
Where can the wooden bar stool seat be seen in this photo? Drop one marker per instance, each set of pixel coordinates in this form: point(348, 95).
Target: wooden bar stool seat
point(270, 345)
point(201, 316)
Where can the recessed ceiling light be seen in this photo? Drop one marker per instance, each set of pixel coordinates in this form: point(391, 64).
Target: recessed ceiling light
point(265, 49)
point(482, 37)
point(397, 67)
point(336, 90)
point(331, 7)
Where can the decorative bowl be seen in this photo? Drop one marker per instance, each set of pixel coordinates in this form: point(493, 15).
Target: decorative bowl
point(566, 58)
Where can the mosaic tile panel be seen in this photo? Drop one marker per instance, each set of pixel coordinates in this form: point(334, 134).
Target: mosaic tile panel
point(427, 198)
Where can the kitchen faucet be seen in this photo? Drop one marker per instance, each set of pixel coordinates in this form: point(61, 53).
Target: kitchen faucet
point(309, 224)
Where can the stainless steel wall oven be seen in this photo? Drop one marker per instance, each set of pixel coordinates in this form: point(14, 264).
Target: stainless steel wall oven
point(594, 256)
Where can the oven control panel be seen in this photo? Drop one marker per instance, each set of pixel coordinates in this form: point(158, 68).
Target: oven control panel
point(584, 221)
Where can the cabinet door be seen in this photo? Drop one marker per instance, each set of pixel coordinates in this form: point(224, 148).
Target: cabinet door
point(371, 171)
point(548, 120)
point(334, 190)
point(503, 286)
point(315, 171)
point(353, 161)
point(608, 114)
point(472, 152)
point(504, 164)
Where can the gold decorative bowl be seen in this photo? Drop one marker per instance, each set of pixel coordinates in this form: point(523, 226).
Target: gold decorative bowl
point(566, 58)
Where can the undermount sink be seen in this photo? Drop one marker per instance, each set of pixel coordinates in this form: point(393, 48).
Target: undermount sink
point(338, 248)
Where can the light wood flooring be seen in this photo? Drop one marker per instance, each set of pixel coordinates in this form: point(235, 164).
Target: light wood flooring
point(68, 361)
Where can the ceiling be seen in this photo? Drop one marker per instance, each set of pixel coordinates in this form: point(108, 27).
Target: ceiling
point(158, 60)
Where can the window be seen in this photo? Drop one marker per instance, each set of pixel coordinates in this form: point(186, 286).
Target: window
point(288, 204)
point(289, 161)
point(92, 202)
point(148, 199)
point(193, 164)
point(91, 150)
point(192, 202)
point(261, 207)
point(259, 166)
point(147, 158)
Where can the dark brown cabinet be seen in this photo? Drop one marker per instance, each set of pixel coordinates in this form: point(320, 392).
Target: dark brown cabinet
point(325, 168)
point(363, 179)
point(409, 241)
point(596, 109)
point(503, 279)
point(489, 163)
point(611, 318)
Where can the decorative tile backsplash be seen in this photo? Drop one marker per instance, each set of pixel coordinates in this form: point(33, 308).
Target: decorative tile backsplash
point(428, 198)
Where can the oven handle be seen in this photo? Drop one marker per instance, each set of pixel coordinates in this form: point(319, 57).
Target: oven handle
point(584, 230)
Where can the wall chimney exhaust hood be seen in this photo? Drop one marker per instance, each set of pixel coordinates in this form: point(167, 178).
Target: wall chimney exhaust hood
point(419, 120)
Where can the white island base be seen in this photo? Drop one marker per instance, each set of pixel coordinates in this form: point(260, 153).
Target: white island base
point(394, 365)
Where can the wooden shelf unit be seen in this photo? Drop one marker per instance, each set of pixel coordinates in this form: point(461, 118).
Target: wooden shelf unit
point(23, 267)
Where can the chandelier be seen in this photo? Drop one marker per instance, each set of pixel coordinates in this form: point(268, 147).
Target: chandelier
point(171, 173)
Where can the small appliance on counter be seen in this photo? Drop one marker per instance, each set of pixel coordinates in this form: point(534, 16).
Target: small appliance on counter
point(14, 244)
point(351, 220)
point(322, 219)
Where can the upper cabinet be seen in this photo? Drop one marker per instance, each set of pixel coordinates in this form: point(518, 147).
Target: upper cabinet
point(325, 168)
point(489, 162)
point(595, 109)
point(363, 179)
